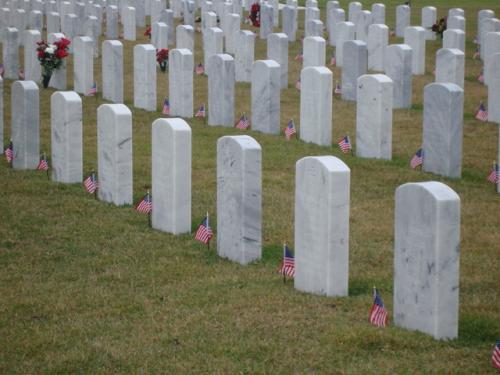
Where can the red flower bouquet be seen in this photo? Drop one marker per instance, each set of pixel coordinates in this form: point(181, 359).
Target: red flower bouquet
point(162, 58)
point(148, 32)
point(51, 57)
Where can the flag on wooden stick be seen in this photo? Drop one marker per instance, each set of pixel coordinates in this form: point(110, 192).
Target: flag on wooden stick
point(91, 184)
point(43, 165)
point(9, 152)
point(166, 107)
point(290, 130)
point(378, 312)
point(494, 176)
point(482, 113)
point(345, 144)
point(204, 232)
point(145, 205)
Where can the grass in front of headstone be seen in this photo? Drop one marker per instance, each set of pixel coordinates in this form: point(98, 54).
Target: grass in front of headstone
point(88, 287)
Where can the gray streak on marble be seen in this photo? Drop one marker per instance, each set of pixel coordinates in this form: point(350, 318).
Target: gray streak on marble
point(355, 64)
point(83, 68)
point(212, 44)
point(415, 38)
point(277, 50)
point(378, 40)
point(112, 71)
point(145, 77)
point(289, 16)
point(397, 65)
point(244, 56)
point(25, 124)
point(427, 258)
point(378, 13)
point(66, 137)
point(454, 39)
point(114, 147)
point(345, 32)
point(403, 15)
point(32, 68)
point(265, 94)
point(450, 65)
point(221, 90)
point(10, 53)
point(239, 199)
point(314, 51)
point(322, 189)
point(443, 129)
point(171, 175)
point(180, 82)
point(494, 90)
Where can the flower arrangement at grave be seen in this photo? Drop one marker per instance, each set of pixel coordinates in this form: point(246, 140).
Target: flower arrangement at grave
point(162, 58)
point(51, 57)
point(440, 27)
point(255, 14)
point(148, 32)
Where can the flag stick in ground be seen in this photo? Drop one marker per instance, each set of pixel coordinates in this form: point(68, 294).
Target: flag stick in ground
point(208, 242)
point(47, 170)
point(284, 254)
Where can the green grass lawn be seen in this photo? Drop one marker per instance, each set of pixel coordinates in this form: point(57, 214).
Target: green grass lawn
point(87, 287)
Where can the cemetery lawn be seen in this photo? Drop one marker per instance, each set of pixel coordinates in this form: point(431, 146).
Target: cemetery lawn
point(87, 287)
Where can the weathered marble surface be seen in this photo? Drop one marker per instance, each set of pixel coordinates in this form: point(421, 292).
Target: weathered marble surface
point(488, 25)
point(378, 40)
point(90, 28)
point(403, 15)
point(171, 175)
point(35, 20)
point(277, 50)
point(180, 82)
point(494, 90)
point(25, 124)
point(450, 65)
point(355, 65)
point(265, 94)
point(213, 44)
point(239, 199)
point(456, 12)
point(129, 28)
point(145, 77)
point(185, 37)
point(289, 15)
point(114, 147)
point(266, 20)
point(112, 71)
point(10, 53)
point(491, 46)
point(322, 189)
point(415, 38)
point(230, 34)
point(159, 35)
point(221, 90)
point(20, 22)
point(454, 39)
point(427, 258)
point(53, 23)
point(429, 18)
point(374, 117)
point(83, 68)
point(311, 13)
point(32, 68)
point(314, 53)
point(397, 66)
point(316, 105)
point(481, 16)
point(345, 32)
point(456, 22)
point(112, 22)
point(167, 17)
point(364, 21)
point(334, 17)
point(66, 137)
point(244, 56)
point(140, 13)
point(354, 8)
point(314, 28)
point(443, 129)
point(378, 13)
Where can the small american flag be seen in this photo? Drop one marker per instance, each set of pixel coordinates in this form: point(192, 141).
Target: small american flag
point(345, 144)
point(494, 175)
point(333, 61)
point(337, 90)
point(91, 184)
point(417, 159)
point(495, 357)
point(199, 69)
point(145, 205)
point(21, 74)
point(93, 90)
point(290, 130)
point(476, 40)
point(43, 165)
point(378, 313)
point(243, 122)
point(480, 78)
point(297, 84)
point(9, 152)
point(166, 107)
point(482, 113)
point(476, 54)
point(201, 112)
point(287, 266)
point(299, 56)
point(204, 232)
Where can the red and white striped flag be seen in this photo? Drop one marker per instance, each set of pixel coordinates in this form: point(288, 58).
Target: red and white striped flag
point(480, 78)
point(345, 144)
point(297, 84)
point(338, 90)
point(495, 357)
point(482, 113)
point(21, 75)
point(476, 54)
point(91, 184)
point(378, 312)
point(287, 265)
point(494, 176)
point(299, 56)
point(43, 165)
point(204, 232)
point(417, 159)
point(201, 111)
point(243, 123)
point(199, 70)
point(93, 90)
point(290, 129)
point(145, 205)
point(9, 152)
point(166, 107)
point(333, 61)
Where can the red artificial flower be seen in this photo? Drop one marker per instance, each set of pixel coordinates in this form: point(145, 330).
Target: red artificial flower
point(148, 31)
point(63, 43)
point(41, 54)
point(61, 53)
